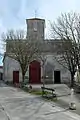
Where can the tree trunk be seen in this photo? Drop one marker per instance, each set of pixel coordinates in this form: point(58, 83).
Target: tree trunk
point(23, 72)
point(23, 75)
point(72, 80)
point(43, 79)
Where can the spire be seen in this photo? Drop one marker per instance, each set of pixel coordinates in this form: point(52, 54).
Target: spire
point(35, 13)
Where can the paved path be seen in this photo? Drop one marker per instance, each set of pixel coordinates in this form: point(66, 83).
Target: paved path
point(2, 84)
point(18, 105)
point(64, 102)
point(64, 98)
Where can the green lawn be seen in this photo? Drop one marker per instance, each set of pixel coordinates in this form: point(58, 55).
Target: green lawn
point(39, 93)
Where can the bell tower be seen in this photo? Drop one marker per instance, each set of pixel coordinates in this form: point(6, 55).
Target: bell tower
point(35, 28)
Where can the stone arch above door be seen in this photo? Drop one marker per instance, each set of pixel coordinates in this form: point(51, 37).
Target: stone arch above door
point(35, 72)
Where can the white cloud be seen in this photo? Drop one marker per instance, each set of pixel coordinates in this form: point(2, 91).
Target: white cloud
point(50, 10)
point(13, 13)
point(2, 29)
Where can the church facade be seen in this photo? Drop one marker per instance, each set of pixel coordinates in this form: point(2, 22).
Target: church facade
point(53, 71)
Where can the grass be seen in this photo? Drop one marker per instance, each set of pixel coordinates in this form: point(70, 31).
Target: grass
point(39, 93)
point(36, 92)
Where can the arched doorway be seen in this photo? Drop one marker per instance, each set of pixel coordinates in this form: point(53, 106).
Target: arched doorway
point(35, 72)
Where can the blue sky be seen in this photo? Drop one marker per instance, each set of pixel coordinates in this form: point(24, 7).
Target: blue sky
point(14, 12)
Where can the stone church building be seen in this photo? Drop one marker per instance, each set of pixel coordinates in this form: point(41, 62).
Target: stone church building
point(53, 71)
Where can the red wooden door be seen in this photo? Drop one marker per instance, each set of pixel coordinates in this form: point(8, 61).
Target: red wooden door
point(35, 72)
point(15, 76)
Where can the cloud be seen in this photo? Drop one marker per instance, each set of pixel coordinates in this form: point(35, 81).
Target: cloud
point(51, 9)
point(13, 13)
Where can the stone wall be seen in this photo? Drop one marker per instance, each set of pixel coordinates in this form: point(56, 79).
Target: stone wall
point(10, 65)
point(52, 65)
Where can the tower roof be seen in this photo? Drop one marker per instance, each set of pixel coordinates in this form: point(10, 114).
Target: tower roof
point(36, 19)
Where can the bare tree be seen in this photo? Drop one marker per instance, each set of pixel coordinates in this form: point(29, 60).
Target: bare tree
point(43, 58)
point(21, 49)
point(66, 29)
